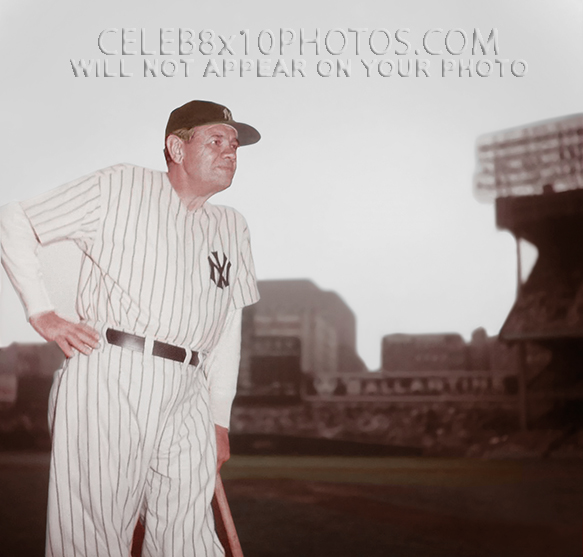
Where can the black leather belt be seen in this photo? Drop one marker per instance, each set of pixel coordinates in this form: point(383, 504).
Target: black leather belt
point(161, 349)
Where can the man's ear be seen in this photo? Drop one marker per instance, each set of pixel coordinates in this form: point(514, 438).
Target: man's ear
point(175, 148)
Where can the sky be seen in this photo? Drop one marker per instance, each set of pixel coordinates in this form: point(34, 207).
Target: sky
point(362, 183)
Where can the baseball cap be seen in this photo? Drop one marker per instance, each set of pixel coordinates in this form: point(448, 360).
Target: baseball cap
point(203, 113)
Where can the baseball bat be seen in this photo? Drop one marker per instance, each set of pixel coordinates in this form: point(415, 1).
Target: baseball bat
point(224, 522)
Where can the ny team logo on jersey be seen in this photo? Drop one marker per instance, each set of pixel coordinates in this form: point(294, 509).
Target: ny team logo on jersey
point(220, 270)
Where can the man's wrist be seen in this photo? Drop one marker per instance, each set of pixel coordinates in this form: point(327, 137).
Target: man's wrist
point(39, 313)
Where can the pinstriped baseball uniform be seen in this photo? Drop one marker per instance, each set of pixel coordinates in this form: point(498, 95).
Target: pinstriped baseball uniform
point(134, 433)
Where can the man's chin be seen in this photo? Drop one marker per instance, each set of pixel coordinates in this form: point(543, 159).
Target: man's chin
point(228, 180)
point(222, 186)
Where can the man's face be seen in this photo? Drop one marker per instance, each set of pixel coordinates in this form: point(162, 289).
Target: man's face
point(210, 158)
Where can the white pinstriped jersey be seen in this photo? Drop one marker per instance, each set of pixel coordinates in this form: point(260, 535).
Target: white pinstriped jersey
point(150, 267)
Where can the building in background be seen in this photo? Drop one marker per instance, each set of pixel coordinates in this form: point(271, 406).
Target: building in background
point(294, 330)
point(423, 352)
point(402, 353)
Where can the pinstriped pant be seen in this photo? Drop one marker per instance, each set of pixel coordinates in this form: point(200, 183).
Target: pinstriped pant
point(132, 436)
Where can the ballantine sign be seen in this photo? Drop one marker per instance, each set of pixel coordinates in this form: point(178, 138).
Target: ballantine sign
point(445, 385)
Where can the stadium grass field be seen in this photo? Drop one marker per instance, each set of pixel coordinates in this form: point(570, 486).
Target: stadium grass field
point(347, 506)
point(373, 470)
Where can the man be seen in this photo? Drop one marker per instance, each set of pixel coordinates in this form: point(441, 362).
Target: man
point(139, 413)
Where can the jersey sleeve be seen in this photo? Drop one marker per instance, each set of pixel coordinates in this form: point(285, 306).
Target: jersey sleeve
point(69, 212)
point(245, 290)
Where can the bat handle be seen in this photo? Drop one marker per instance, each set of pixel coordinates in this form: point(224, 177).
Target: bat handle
point(224, 522)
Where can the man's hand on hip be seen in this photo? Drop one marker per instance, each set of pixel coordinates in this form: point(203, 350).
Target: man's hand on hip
point(223, 447)
point(68, 335)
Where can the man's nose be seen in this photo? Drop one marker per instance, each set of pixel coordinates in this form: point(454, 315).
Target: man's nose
point(230, 152)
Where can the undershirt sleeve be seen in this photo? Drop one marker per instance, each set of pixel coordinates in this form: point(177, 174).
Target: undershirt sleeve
point(19, 257)
point(222, 368)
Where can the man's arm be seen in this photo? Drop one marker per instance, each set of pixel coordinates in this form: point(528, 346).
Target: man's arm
point(222, 367)
point(19, 257)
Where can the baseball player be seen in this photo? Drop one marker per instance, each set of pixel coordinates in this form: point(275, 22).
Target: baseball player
point(139, 413)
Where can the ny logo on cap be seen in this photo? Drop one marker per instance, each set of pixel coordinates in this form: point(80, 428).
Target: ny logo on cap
point(227, 114)
point(220, 271)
